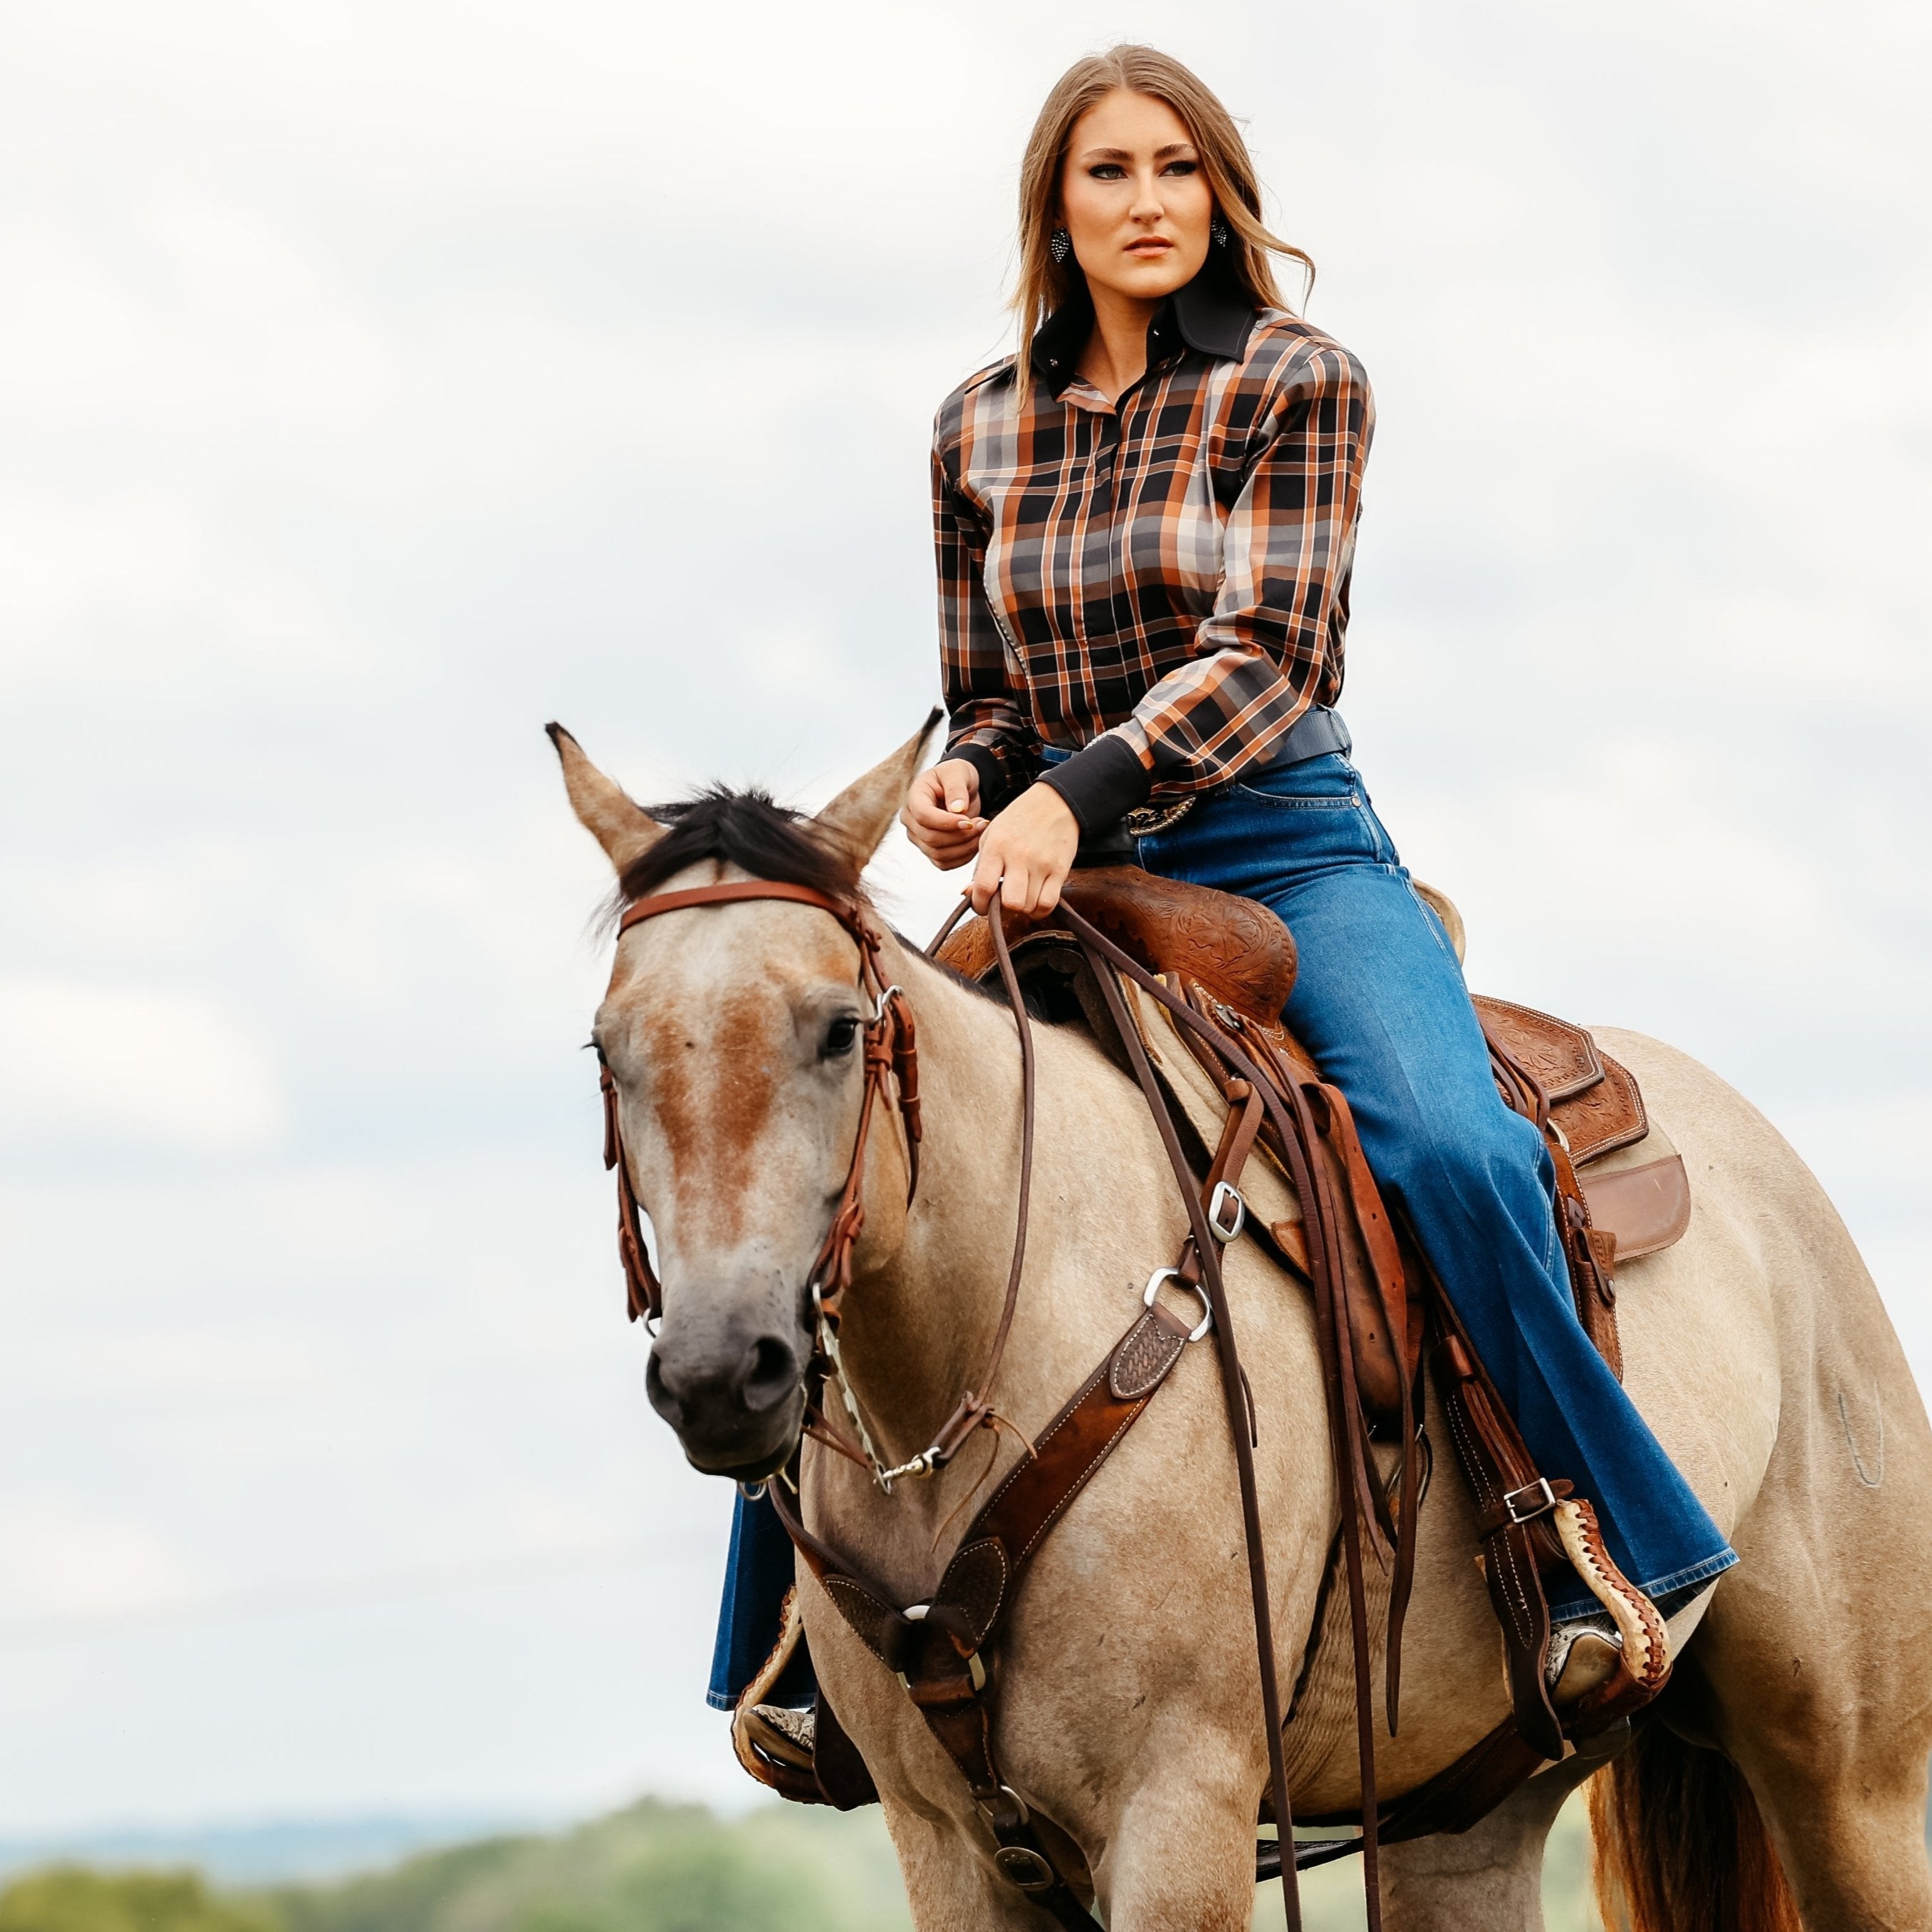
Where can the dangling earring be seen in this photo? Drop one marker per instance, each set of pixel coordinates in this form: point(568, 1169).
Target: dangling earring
point(1059, 246)
point(1221, 232)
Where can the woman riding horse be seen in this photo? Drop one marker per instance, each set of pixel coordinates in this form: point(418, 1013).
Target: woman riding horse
point(1145, 525)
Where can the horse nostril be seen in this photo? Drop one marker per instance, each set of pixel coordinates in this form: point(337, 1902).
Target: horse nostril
point(657, 1393)
point(771, 1373)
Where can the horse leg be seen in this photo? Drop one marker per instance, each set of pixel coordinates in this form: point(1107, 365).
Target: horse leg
point(1184, 1851)
point(949, 1886)
point(1489, 1876)
point(1832, 1737)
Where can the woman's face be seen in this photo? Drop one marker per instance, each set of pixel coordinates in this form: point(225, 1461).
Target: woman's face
point(1133, 198)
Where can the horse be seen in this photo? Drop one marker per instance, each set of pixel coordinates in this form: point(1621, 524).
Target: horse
point(1796, 1728)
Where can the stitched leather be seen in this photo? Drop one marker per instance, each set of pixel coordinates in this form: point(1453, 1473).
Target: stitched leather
point(1239, 950)
point(1644, 1209)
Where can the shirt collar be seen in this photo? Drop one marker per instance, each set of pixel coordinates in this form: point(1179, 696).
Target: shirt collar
point(1211, 315)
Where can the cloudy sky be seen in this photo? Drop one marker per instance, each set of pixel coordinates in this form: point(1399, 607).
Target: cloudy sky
point(377, 382)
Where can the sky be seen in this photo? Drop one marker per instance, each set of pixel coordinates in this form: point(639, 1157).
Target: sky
point(378, 382)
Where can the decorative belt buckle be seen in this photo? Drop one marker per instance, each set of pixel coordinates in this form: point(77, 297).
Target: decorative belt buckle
point(1144, 820)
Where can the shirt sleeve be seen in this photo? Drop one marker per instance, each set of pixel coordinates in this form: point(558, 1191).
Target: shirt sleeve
point(986, 701)
point(1272, 641)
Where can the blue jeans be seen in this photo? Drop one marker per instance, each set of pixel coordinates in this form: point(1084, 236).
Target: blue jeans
point(1379, 1002)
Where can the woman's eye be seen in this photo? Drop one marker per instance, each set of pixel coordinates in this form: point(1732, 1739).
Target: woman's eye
point(1182, 168)
point(1108, 171)
point(839, 1037)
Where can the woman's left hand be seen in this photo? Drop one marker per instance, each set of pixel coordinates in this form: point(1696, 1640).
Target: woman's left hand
point(1026, 853)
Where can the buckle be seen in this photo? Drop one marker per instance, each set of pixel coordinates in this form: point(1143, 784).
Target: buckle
point(1025, 1869)
point(1199, 1293)
point(1546, 1500)
point(1225, 1195)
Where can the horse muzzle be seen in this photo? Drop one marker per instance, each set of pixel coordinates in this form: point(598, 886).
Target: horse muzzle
point(736, 1397)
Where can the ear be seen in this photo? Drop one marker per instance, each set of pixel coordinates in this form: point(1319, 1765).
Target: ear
point(862, 814)
point(624, 829)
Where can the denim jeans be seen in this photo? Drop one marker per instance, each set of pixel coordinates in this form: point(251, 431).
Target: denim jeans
point(1380, 1003)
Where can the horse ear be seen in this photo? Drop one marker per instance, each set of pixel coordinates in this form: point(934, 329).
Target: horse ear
point(624, 829)
point(862, 814)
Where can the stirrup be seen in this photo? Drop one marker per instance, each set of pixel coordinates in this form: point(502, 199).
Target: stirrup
point(1642, 1644)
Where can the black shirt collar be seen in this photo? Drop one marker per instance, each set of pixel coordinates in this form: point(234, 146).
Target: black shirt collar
point(1210, 314)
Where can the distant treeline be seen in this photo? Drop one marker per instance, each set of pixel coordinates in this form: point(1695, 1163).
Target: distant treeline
point(654, 1867)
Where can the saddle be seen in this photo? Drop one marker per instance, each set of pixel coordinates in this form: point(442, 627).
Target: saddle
point(1232, 957)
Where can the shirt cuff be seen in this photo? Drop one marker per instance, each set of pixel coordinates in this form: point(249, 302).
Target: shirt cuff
point(1101, 782)
point(994, 788)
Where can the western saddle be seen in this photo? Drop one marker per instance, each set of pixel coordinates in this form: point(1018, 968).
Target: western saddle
point(1184, 987)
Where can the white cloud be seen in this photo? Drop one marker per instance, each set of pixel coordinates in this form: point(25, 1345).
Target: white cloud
point(96, 1067)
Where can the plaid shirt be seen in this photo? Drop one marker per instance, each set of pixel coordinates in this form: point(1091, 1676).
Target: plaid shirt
point(1161, 587)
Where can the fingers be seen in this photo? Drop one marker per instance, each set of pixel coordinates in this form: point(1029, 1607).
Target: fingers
point(986, 877)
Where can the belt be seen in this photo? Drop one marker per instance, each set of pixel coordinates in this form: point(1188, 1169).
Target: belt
point(1316, 733)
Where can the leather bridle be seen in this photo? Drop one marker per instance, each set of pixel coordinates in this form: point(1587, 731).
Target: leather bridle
point(891, 1051)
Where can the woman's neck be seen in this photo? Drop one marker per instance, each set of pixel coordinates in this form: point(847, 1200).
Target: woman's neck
point(1115, 357)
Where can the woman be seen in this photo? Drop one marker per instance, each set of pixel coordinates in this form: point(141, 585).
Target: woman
point(1146, 524)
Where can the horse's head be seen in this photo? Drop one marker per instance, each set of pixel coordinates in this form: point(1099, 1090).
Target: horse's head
point(734, 1034)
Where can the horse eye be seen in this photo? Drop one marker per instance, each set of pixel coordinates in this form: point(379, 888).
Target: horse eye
point(840, 1035)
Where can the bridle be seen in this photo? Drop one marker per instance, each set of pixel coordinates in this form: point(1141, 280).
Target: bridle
point(891, 1052)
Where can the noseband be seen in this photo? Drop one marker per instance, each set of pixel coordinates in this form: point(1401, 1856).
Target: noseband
point(891, 1049)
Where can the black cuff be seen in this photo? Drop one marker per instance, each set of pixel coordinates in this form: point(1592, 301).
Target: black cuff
point(1100, 782)
point(994, 789)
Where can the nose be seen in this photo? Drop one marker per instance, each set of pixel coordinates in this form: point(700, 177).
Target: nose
point(723, 1399)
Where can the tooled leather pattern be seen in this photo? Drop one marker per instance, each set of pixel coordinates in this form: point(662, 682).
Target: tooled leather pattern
point(1564, 1058)
point(1148, 1351)
point(877, 1625)
point(1237, 949)
point(1609, 1116)
point(975, 1584)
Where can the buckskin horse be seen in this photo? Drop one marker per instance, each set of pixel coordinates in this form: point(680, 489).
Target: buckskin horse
point(1783, 1771)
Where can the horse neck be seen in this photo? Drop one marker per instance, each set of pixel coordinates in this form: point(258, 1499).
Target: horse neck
point(930, 1286)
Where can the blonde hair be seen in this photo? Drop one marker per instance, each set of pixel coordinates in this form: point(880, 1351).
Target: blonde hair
point(1045, 284)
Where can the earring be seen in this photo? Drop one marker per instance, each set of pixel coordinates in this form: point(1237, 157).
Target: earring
point(1060, 245)
point(1221, 232)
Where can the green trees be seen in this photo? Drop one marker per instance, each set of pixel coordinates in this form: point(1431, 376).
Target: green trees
point(67, 1899)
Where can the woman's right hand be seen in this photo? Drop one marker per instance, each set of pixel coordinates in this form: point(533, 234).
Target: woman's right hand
point(941, 813)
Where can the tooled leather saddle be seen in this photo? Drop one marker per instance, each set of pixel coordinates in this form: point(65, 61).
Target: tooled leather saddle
point(1232, 954)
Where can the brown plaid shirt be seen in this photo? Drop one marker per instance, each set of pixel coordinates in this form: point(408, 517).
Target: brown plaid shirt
point(1162, 586)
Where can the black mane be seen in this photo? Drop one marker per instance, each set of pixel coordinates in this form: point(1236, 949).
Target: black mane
point(745, 829)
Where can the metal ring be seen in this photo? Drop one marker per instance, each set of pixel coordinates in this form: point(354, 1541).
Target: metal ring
point(1224, 1192)
point(1013, 1797)
point(1194, 1288)
point(1025, 1869)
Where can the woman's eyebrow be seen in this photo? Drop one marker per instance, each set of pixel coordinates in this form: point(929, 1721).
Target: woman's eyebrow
point(1166, 153)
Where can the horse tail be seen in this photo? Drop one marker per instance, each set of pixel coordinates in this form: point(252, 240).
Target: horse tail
point(1679, 1843)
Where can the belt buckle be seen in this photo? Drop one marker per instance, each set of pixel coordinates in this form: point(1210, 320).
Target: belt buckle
point(1144, 820)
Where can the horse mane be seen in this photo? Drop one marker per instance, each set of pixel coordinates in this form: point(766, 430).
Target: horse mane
point(746, 828)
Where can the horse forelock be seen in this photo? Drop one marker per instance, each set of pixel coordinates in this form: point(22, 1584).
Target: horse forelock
point(748, 829)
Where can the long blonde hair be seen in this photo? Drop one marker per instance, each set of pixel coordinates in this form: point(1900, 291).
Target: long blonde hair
point(1046, 284)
